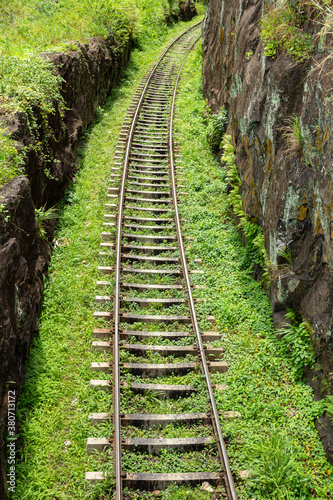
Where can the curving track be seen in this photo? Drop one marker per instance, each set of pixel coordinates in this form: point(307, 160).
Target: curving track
point(153, 293)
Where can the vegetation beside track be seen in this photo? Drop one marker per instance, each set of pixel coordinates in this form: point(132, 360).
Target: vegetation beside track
point(276, 438)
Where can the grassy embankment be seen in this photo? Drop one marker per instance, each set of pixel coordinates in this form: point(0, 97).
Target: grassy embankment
point(29, 28)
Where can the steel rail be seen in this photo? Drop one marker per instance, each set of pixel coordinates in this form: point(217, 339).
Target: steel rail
point(224, 455)
point(116, 376)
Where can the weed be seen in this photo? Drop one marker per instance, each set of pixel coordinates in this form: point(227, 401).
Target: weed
point(292, 133)
point(324, 17)
point(42, 216)
point(10, 159)
point(281, 31)
point(275, 468)
point(154, 397)
point(216, 128)
point(328, 405)
point(4, 211)
point(296, 343)
point(286, 255)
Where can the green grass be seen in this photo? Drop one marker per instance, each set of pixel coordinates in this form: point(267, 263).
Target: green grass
point(34, 26)
point(276, 439)
point(55, 401)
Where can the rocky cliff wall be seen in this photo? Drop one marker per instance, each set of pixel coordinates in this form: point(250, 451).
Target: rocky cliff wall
point(23, 263)
point(89, 73)
point(288, 191)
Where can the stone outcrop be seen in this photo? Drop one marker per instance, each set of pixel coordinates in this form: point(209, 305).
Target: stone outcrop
point(89, 73)
point(187, 10)
point(286, 188)
point(23, 262)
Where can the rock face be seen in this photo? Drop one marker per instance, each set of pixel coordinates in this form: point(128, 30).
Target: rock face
point(89, 73)
point(187, 10)
point(286, 188)
point(23, 262)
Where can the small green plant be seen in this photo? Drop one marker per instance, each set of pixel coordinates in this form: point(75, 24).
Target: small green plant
point(10, 159)
point(296, 343)
point(328, 405)
point(275, 472)
point(4, 211)
point(255, 241)
point(286, 255)
point(292, 133)
point(216, 128)
point(42, 216)
point(281, 30)
point(249, 55)
point(154, 396)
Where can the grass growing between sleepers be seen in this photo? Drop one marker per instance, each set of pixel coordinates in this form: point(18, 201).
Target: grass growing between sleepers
point(56, 400)
point(275, 440)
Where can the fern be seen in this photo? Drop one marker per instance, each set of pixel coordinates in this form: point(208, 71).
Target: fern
point(296, 343)
point(42, 215)
point(255, 241)
point(328, 404)
point(216, 128)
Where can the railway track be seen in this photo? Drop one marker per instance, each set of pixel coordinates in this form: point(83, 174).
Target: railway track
point(155, 336)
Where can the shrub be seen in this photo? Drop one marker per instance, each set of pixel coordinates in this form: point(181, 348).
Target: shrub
point(295, 342)
point(281, 31)
point(10, 159)
point(216, 128)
